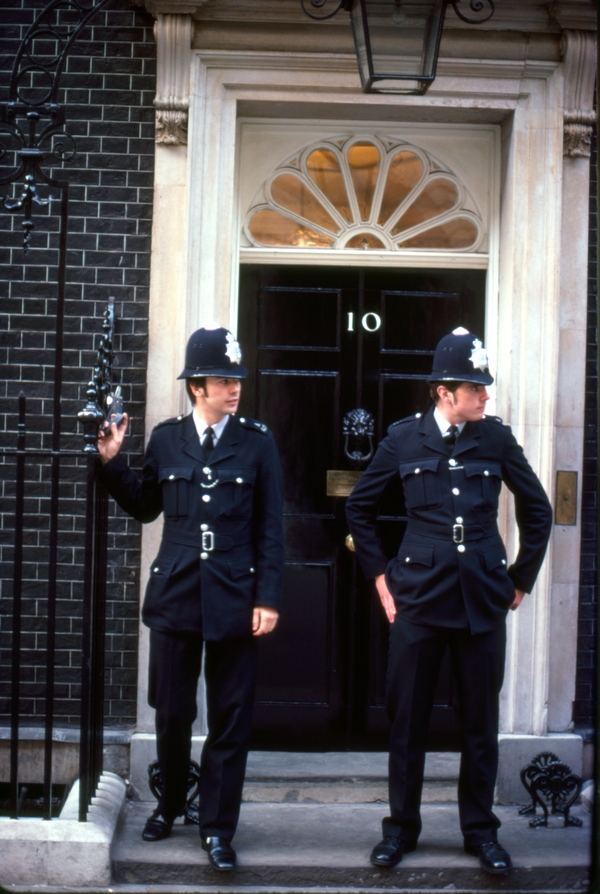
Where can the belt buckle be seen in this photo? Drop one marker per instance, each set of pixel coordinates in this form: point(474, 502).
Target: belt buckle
point(458, 533)
point(205, 541)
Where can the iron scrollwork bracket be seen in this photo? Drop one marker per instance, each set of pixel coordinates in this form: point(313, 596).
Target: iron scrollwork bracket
point(319, 4)
point(550, 782)
point(32, 117)
point(99, 388)
point(477, 6)
point(191, 812)
point(358, 426)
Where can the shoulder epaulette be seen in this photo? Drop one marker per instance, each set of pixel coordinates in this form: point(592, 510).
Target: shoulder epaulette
point(174, 421)
point(406, 419)
point(497, 419)
point(252, 424)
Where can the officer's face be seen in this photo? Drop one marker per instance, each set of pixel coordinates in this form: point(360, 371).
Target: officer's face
point(221, 397)
point(466, 404)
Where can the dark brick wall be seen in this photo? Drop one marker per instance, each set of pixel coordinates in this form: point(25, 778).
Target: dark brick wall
point(108, 88)
point(584, 709)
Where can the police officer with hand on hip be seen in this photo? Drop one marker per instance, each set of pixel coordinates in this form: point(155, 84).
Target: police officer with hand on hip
point(215, 584)
point(449, 586)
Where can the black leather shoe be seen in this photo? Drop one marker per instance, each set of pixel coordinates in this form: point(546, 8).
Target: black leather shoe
point(221, 855)
point(492, 857)
point(390, 850)
point(157, 827)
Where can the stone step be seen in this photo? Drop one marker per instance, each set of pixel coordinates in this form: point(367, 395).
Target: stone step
point(339, 777)
point(298, 847)
point(341, 764)
point(341, 791)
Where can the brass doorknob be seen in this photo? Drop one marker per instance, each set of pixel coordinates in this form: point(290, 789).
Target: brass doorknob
point(350, 543)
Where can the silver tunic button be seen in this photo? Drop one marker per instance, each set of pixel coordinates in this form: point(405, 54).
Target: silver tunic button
point(204, 555)
point(486, 472)
point(461, 548)
point(156, 569)
point(206, 470)
point(455, 491)
point(459, 519)
point(417, 471)
point(407, 559)
point(242, 419)
point(452, 462)
point(417, 415)
point(252, 571)
point(504, 561)
point(206, 498)
point(239, 480)
point(171, 477)
point(204, 527)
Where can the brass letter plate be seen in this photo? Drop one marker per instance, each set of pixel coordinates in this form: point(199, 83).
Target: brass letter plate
point(341, 483)
point(566, 498)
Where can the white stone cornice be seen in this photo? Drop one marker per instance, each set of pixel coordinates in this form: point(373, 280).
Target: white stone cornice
point(573, 14)
point(174, 7)
point(174, 39)
point(318, 62)
point(579, 51)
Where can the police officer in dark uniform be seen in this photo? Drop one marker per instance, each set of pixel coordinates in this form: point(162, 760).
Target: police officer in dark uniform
point(215, 584)
point(449, 586)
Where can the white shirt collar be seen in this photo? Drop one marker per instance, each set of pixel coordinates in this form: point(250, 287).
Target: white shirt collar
point(201, 426)
point(443, 423)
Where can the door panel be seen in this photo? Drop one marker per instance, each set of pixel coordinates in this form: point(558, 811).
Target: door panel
point(305, 629)
point(305, 447)
point(319, 343)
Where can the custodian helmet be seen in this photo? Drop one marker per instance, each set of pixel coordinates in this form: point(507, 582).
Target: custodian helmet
point(213, 351)
point(460, 357)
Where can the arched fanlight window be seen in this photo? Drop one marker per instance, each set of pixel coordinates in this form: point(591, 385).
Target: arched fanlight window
point(364, 193)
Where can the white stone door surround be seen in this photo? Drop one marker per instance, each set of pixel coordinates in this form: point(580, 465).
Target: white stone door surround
point(536, 306)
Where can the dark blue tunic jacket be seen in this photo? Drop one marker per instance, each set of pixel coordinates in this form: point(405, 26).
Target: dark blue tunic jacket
point(222, 544)
point(434, 580)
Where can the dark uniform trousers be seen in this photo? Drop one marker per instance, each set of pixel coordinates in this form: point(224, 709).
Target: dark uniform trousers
point(230, 673)
point(416, 654)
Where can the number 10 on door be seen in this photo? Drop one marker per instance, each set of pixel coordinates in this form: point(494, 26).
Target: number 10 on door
point(371, 322)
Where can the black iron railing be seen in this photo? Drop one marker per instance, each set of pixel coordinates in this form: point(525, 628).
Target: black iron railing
point(32, 123)
point(92, 595)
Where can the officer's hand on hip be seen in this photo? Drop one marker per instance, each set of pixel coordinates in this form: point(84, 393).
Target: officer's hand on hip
point(110, 439)
point(519, 594)
point(387, 600)
point(263, 620)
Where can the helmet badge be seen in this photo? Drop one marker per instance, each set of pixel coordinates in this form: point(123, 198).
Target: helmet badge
point(479, 357)
point(233, 350)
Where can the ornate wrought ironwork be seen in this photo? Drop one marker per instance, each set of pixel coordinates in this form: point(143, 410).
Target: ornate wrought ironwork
point(550, 782)
point(358, 426)
point(99, 390)
point(319, 4)
point(477, 6)
point(191, 812)
point(33, 122)
point(537, 765)
point(33, 118)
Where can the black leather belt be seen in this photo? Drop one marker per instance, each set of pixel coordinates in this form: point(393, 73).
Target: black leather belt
point(456, 533)
point(207, 541)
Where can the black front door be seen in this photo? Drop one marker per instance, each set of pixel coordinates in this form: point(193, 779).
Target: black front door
point(321, 342)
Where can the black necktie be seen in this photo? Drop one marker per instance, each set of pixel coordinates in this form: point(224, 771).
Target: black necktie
point(207, 443)
point(450, 435)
